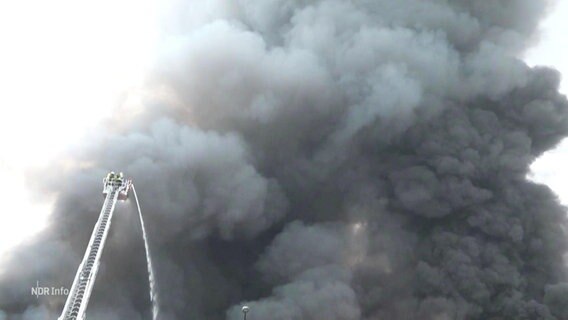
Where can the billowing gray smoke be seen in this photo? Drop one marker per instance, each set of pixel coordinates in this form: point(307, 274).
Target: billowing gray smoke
point(334, 160)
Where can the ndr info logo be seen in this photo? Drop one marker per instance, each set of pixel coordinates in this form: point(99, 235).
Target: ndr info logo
point(48, 291)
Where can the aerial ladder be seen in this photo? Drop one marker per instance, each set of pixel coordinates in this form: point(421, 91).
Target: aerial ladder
point(115, 187)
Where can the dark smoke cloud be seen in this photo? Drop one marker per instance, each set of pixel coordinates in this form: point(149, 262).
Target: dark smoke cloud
point(322, 160)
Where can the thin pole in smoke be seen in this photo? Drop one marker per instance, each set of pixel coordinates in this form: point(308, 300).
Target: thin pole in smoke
point(151, 277)
point(245, 310)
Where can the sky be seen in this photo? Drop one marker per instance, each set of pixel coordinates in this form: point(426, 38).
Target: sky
point(59, 82)
point(552, 50)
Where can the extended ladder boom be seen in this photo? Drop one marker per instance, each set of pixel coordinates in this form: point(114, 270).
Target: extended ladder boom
point(116, 188)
